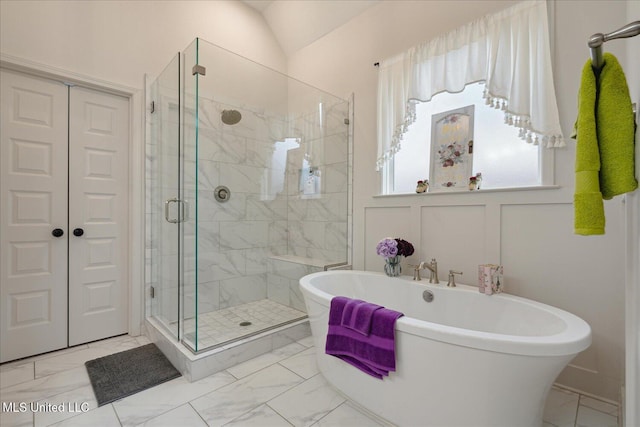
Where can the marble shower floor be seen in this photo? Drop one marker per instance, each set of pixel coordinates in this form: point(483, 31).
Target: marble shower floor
point(229, 324)
point(281, 388)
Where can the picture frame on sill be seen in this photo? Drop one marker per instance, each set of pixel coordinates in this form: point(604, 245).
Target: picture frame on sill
point(451, 149)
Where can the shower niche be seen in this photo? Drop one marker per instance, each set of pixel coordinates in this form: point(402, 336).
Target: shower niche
point(230, 224)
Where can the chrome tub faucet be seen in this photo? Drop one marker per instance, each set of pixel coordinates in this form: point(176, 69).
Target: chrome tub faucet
point(432, 267)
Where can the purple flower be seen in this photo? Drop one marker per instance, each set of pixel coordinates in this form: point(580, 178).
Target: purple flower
point(387, 248)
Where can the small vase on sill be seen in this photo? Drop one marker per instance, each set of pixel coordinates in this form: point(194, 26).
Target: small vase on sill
point(473, 183)
point(392, 266)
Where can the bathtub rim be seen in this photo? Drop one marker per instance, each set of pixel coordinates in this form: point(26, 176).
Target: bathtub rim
point(576, 337)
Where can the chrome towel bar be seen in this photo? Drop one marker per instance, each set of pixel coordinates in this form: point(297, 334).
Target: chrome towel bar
point(595, 41)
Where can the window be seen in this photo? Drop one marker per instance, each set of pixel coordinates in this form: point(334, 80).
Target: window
point(509, 51)
point(499, 154)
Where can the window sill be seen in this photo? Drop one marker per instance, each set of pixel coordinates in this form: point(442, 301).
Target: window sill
point(484, 190)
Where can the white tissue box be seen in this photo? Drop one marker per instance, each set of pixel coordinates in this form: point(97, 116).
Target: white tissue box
point(490, 279)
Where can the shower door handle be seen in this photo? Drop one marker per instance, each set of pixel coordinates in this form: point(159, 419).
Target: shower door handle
point(167, 203)
point(183, 214)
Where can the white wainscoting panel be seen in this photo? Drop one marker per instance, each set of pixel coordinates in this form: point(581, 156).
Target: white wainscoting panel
point(543, 260)
point(455, 236)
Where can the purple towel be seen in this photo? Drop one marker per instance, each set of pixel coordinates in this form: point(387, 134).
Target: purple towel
point(373, 354)
point(358, 315)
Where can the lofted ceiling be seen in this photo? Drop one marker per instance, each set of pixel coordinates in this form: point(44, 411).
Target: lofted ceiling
point(298, 23)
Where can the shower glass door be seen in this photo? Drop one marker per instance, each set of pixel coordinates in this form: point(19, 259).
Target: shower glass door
point(163, 196)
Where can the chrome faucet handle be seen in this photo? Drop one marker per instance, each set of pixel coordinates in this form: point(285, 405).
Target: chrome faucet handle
point(416, 271)
point(452, 278)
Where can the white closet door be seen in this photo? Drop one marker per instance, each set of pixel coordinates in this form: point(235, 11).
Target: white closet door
point(33, 194)
point(98, 192)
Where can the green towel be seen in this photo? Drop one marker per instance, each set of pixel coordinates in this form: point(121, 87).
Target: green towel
point(604, 150)
point(616, 130)
point(587, 200)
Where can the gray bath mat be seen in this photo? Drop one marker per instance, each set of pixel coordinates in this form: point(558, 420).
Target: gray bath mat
point(123, 374)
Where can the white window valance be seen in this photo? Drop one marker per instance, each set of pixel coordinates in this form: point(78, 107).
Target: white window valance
point(508, 50)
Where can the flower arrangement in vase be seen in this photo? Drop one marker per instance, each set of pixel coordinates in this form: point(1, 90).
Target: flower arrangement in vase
point(392, 250)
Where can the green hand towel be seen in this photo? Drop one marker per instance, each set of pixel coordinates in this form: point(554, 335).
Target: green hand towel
point(605, 144)
point(616, 130)
point(587, 201)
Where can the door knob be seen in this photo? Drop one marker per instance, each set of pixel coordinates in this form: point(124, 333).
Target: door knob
point(57, 232)
point(78, 232)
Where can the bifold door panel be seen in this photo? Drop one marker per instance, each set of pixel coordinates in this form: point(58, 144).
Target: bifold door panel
point(34, 205)
point(98, 193)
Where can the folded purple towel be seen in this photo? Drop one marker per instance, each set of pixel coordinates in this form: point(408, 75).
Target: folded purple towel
point(358, 315)
point(373, 354)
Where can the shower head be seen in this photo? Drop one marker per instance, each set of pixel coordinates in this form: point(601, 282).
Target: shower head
point(231, 117)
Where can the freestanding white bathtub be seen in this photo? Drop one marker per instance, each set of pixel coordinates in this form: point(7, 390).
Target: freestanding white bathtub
point(464, 359)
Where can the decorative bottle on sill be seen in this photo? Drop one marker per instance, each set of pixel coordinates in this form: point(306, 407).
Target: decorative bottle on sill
point(478, 180)
point(423, 186)
point(473, 183)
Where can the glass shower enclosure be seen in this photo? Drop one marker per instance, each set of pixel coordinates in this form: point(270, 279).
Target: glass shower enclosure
point(247, 191)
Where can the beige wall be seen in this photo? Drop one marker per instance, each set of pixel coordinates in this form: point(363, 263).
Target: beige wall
point(120, 41)
point(529, 232)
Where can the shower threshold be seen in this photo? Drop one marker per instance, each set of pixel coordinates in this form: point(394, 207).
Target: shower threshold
point(198, 365)
point(221, 327)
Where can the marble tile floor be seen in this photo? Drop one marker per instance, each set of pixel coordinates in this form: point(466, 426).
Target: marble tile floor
point(228, 324)
point(281, 388)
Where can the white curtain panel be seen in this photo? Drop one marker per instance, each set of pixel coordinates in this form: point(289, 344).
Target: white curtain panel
point(394, 110)
point(508, 50)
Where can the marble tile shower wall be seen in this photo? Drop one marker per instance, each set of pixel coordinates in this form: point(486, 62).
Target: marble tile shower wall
point(282, 282)
point(259, 160)
point(318, 223)
point(234, 238)
point(266, 214)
